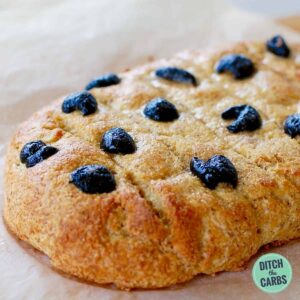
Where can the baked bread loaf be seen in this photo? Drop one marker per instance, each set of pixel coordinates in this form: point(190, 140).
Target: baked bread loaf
point(182, 166)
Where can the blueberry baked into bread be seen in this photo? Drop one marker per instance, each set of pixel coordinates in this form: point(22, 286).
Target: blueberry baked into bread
point(152, 176)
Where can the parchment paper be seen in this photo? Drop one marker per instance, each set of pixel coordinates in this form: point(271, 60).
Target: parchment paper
point(49, 48)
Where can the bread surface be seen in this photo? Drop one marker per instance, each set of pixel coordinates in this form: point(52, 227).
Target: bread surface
point(162, 225)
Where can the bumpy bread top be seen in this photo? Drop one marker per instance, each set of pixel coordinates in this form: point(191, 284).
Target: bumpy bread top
point(162, 225)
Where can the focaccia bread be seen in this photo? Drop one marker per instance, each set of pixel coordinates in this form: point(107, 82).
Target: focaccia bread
point(182, 166)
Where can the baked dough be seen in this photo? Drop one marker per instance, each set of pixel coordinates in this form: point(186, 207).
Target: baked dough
point(162, 225)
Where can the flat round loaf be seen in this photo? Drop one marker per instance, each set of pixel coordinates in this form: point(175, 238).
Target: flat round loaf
point(163, 225)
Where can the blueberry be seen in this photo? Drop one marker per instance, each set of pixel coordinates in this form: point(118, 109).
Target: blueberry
point(83, 101)
point(117, 140)
point(29, 149)
point(35, 152)
point(239, 65)
point(217, 169)
point(292, 125)
point(93, 179)
point(103, 81)
point(176, 74)
point(278, 46)
point(233, 112)
point(42, 154)
point(69, 104)
point(160, 109)
point(247, 118)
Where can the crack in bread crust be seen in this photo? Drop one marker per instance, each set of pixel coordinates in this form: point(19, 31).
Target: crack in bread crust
point(161, 225)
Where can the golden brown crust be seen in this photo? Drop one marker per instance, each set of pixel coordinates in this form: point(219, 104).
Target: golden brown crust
point(161, 225)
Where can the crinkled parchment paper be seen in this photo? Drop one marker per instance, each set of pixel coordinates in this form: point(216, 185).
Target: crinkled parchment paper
point(49, 48)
